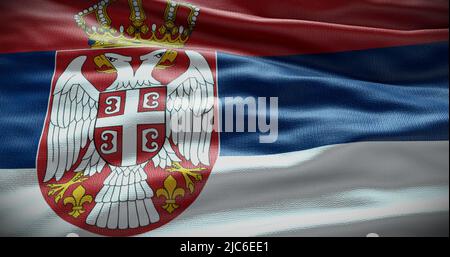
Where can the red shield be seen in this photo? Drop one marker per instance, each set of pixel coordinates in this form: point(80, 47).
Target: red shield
point(129, 129)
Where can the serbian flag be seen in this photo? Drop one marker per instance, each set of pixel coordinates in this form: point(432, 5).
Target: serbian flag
point(224, 118)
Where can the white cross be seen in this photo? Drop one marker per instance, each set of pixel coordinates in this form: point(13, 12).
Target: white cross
point(129, 120)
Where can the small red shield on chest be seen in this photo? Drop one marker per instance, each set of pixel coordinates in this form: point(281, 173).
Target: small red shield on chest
point(130, 127)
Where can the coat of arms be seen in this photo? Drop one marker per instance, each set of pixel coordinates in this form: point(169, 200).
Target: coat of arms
point(129, 138)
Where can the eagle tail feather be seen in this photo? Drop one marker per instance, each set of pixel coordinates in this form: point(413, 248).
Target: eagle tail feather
point(124, 201)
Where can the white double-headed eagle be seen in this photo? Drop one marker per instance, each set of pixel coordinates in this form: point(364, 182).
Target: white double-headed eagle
point(125, 198)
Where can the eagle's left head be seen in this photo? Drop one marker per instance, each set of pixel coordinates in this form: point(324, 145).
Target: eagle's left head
point(158, 59)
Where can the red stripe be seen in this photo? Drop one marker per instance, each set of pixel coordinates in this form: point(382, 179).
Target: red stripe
point(251, 27)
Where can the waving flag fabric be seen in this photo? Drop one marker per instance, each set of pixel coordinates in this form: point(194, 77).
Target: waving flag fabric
point(224, 118)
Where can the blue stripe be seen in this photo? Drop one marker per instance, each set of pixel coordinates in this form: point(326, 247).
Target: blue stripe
point(24, 90)
point(398, 93)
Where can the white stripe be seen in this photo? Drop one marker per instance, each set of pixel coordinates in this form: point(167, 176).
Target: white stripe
point(316, 212)
point(227, 164)
point(289, 193)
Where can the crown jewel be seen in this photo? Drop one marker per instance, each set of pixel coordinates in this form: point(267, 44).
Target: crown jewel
point(138, 32)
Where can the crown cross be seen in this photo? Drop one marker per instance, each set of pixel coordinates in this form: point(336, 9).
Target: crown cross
point(168, 34)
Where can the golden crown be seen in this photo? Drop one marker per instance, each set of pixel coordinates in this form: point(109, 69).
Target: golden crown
point(138, 33)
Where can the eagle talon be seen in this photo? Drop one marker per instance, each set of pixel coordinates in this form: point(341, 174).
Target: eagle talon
point(187, 173)
point(58, 190)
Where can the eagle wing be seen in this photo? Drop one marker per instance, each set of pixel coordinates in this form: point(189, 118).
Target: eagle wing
point(190, 102)
point(71, 127)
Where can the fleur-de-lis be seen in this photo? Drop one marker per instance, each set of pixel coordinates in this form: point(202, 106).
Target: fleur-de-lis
point(170, 192)
point(77, 200)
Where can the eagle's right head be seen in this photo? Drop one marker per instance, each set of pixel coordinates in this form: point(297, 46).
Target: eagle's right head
point(112, 62)
point(116, 63)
